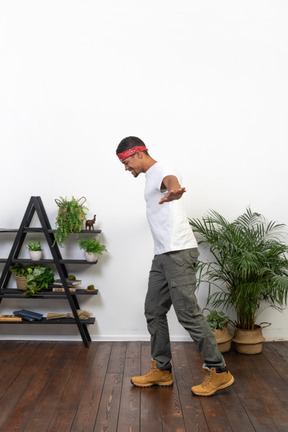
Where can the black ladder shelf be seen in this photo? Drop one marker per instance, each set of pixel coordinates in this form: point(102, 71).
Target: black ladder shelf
point(35, 205)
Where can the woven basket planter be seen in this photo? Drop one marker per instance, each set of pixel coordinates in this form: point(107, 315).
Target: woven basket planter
point(223, 338)
point(21, 283)
point(249, 341)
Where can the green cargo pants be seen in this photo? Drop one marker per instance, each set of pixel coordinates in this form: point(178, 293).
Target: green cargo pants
point(172, 280)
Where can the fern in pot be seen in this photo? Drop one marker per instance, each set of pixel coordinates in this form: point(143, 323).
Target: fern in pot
point(249, 268)
point(70, 218)
point(93, 248)
point(35, 250)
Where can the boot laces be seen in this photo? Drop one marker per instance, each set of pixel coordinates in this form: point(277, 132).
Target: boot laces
point(151, 371)
point(208, 378)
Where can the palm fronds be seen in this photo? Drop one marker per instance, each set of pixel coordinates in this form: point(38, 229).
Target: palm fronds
point(249, 263)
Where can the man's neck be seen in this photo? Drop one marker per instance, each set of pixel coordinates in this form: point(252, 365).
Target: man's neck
point(148, 163)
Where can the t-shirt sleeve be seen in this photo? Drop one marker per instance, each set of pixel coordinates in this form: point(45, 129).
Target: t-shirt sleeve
point(164, 171)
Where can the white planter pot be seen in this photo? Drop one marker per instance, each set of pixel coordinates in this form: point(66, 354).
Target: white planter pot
point(91, 257)
point(35, 255)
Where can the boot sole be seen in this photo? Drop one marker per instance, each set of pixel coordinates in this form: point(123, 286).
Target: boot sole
point(214, 391)
point(168, 384)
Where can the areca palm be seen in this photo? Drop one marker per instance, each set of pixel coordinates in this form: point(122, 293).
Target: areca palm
point(249, 265)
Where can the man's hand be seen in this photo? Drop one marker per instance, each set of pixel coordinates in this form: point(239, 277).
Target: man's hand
point(173, 195)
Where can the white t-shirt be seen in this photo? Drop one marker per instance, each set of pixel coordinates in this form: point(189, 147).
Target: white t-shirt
point(168, 222)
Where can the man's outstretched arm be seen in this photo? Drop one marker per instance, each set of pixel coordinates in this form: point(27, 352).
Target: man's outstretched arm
point(175, 191)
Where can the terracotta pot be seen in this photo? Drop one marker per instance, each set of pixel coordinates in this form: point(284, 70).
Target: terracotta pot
point(223, 338)
point(249, 341)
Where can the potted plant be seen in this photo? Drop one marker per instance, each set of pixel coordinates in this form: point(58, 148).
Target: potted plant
point(20, 273)
point(70, 218)
point(249, 268)
point(35, 250)
point(90, 288)
point(92, 248)
point(36, 278)
point(218, 323)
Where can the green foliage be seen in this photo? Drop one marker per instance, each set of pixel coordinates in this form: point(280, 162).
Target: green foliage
point(19, 270)
point(37, 277)
point(249, 264)
point(217, 320)
point(92, 246)
point(71, 215)
point(71, 277)
point(34, 246)
point(90, 288)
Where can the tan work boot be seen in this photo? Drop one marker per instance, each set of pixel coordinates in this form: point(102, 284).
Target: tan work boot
point(153, 377)
point(213, 382)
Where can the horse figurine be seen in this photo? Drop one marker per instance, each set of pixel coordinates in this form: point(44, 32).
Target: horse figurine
point(90, 223)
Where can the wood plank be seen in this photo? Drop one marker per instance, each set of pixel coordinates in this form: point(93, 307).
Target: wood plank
point(274, 376)
point(46, 359)
point(16, 360)
point(129, 410)
point(232, 405)
point(87, 410)
point(108, 411)
point(194, 417)
point(171, 411)
point(62, 421)
point(212, 407)
point(117, 358)
point(62, 364)
point(150, 419)
point(109, 406)
point(9, 351)
point(249, 390)
point(14, 395)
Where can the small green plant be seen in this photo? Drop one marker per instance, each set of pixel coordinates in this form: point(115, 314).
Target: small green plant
point(71, 277)
point(37, 277)
point(90, 288)
point(217, 320)
point(92, 246)
point(34, 246)
point(70, 218)
point(19, 270)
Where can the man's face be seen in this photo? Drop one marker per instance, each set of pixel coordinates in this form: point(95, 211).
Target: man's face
point(132, 164)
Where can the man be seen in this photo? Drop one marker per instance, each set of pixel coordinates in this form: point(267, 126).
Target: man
point(172, 277)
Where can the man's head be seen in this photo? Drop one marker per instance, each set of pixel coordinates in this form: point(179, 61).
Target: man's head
point(130, 152)
point(129, 146)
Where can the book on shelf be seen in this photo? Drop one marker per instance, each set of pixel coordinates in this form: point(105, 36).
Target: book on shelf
point(28, 315)
point(62, 289)
point(7, 318)
point(58, 282)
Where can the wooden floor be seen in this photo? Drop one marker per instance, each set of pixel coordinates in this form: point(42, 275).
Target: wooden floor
point(63, 387)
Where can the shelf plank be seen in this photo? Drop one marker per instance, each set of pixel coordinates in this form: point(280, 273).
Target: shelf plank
point(14, 293)
point(51, 261)
point(51, 321)
point(40, 229)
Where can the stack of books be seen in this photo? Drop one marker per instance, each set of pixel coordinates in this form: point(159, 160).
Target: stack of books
point(72, 285)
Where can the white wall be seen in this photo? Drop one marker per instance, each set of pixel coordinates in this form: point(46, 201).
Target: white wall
point(202, 83)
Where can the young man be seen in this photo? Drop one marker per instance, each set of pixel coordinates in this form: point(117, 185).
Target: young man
point(172, 277)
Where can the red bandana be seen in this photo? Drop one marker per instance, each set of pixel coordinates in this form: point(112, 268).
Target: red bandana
point(124, 155)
